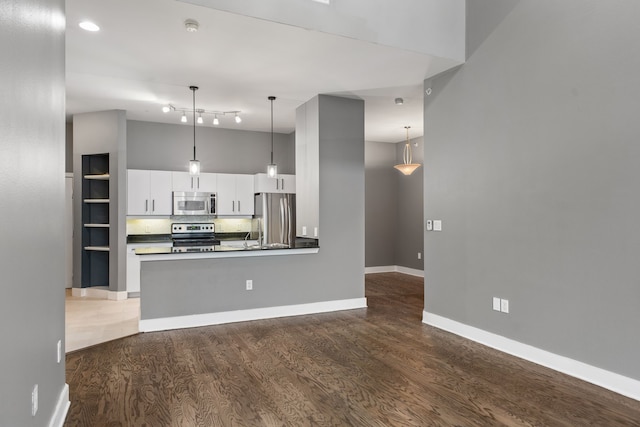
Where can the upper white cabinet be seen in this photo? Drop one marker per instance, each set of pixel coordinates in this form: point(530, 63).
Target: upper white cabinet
point(235, 194)
point(148, 192)
point(282, 184)
point(205, 182)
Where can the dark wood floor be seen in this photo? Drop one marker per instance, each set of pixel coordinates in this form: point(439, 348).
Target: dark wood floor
point(370, 367)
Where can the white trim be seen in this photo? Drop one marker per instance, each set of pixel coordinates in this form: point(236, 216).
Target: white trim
point(99, 293)
point(394, 269)
point(410, 271)
point(610, 380)
point(60, 411)
point(197, 320)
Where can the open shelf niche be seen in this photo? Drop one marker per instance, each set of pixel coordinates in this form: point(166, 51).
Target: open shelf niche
point(95, 220)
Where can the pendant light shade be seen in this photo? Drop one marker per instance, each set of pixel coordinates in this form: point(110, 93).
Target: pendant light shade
point(272, 168)
point(407, 167)
point(194, 165)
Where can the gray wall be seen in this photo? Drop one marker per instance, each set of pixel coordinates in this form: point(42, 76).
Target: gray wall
point(172, 288)
point(532, 164)
point(393, 214)
point(68, 135)
point(162, 146)
point(32, 164)
point(96, 133)
point(409, 230)
point(381, 204)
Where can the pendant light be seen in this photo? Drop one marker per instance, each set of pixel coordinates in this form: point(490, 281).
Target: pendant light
point(407, 167)
point(194, 165)
point(272, 168)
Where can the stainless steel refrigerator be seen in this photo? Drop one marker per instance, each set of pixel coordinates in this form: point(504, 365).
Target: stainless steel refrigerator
point(277, 216)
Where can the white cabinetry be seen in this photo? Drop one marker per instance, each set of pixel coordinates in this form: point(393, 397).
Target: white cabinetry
point(183, 181)
point(235, 194)
point(148, 192)
point(282, 184)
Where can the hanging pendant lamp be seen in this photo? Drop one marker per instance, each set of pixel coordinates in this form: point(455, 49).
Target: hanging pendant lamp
point(272, 168)
point(194, 165)
point(407, 167)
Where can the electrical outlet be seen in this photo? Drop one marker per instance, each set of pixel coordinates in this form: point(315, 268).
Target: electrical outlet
point(497, 304)
point(34, 401)
point(437, 225)
point(504, 305)
point(315, 231)
point(249, 285)
point(59, 352)
point(419, 255)
point(304, 230)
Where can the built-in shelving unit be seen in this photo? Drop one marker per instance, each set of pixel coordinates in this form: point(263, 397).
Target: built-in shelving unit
point(95, 220)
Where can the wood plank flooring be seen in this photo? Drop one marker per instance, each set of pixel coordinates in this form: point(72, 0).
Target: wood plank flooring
point(378, 366)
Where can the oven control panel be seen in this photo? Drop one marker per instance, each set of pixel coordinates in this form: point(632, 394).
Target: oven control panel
point(181, 228)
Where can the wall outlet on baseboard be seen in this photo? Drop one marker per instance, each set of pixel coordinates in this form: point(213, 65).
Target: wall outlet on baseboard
point(249, 285)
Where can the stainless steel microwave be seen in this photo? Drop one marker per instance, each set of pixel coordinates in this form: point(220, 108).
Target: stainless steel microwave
point(194, 203)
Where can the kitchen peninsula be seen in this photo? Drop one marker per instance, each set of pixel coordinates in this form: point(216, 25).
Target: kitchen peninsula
point(179, 290)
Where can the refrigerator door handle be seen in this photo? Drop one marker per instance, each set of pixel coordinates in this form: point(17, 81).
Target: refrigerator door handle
point(281, 220)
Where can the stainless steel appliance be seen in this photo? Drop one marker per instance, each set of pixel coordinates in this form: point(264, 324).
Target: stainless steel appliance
point(194, 203)
point(193, 237)
point(276, 213)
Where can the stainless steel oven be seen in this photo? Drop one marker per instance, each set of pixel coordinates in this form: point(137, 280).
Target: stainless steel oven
point(194, 203)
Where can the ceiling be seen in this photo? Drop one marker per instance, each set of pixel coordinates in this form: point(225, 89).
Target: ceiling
point(143, 58)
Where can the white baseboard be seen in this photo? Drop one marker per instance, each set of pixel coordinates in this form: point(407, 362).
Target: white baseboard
point(62, 406)
point(610, 380)
point(197, 320)
point(99, 293)
point(394, 269)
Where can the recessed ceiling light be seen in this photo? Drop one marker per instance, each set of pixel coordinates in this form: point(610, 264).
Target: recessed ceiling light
point(89, 26)
point(323, 1)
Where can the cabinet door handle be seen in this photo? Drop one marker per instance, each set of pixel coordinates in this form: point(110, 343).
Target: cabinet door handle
point(146, 205)
point(238, 206)
point(233, 206)
point(277, 184)
point(198, 180)
point(282, 184)
point(153, 205)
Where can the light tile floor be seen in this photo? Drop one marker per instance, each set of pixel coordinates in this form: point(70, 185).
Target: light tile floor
point(91, 321)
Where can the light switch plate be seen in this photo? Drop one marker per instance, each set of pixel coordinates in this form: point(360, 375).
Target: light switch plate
point(429, 225)
point(437, 225)
point(497, 304)
point(504, 306)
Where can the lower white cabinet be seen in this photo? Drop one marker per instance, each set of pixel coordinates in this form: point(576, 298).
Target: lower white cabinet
point(148, 192)
point(235, 194)
point(133, 264)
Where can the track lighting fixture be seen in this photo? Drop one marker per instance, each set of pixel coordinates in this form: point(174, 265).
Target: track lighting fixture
point(200, 120)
